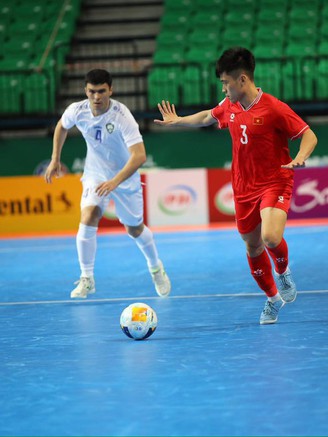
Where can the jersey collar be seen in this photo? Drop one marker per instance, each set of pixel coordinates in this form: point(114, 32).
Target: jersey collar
point(256, 100)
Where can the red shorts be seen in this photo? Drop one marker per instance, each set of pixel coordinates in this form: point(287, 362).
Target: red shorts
point(248, 212)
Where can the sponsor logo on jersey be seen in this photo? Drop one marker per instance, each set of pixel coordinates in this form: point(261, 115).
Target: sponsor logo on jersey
point(110, 127)
point(232, 117)
point(258, 121)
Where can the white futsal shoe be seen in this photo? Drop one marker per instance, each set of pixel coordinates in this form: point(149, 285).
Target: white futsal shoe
point(86, 285)
point(286, 286)
point(161, 280)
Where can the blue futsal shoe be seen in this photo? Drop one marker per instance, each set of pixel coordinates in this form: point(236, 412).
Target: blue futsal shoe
point(270, 312)
point(286, 286)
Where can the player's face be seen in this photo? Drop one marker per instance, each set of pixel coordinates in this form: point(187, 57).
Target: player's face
point(232, 86)
point(99, 97)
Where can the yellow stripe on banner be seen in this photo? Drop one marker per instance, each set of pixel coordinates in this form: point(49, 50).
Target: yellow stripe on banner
point(29, 204)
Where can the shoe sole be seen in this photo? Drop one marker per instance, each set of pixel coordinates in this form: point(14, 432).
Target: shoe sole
point(268, 322)
point(79, 296)
point(289, 301)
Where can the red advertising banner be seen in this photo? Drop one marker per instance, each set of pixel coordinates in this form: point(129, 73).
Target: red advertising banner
point(220, 195)
point(310, 195)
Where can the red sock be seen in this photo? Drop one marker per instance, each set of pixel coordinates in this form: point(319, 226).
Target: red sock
point(279, 256)
point(261, 271)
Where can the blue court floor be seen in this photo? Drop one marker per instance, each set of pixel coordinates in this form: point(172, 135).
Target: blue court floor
point(209, 369)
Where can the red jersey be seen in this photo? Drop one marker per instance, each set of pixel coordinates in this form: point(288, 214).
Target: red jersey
point(260, 136)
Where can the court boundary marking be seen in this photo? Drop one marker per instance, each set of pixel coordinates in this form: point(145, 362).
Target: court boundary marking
point(144, 298)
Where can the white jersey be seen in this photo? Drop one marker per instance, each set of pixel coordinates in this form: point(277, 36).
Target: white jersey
point(108, 137)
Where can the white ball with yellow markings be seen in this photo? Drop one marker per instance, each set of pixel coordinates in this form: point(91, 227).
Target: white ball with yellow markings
point(138, 321)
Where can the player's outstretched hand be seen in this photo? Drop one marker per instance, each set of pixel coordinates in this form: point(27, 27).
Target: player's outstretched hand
point(295, 163)
point(169, 115)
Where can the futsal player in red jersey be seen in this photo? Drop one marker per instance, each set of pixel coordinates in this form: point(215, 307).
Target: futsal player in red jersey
point(262, 169)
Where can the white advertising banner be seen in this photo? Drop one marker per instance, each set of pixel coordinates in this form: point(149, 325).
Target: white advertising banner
point(177, 197)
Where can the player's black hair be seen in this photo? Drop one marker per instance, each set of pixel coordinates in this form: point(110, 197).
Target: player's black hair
point(98, 77)
point(235, 60)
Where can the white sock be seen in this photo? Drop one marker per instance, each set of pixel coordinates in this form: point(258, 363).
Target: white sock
point(86, 243)
point(146, 244)
point(275, 298)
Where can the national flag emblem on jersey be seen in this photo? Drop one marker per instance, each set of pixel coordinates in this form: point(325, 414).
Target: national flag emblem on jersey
point(110, 127)
point(258, 121)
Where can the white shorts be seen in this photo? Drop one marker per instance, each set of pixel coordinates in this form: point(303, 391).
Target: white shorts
point(128, 205)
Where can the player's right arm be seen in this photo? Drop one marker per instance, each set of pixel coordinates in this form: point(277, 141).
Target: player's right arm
point(59, 138)
point(171, 118)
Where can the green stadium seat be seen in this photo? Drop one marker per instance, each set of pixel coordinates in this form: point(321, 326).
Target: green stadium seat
point(274, 5)
point(237, 37)
point(204, 38)
point(304, 15)
point(52, 9)
point(210, 5)
point(242, 17)
point(250, 5)
point(178, 5)
point(322, 79)
point(271, 18)
point(268, 77)
point(268, 51)
point(302, 33)
point(267, 35)
point(201, 55)
point(299, 77)
point(207, 19)
point(12, 63)
point(323, 31)
point(305, 4)
point(163, 83)
point(30, 12)
point(323, 48)
point(324, 11)
point(169, 56)
point(300, 50)
point(196, 85)
point(37, 98)
point(169, 39)
point(11, 91)
point(18, 47)
point(175, 20)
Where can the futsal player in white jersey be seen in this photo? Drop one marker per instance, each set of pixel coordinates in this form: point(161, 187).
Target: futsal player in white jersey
point(115, 152)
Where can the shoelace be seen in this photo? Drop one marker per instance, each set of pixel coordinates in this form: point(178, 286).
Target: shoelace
point(269, 308)
point(83, 280)
point(284, 280)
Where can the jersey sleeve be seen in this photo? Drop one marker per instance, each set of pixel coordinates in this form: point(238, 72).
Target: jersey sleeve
point(68, 118)
point(130, 129)
point(290, 122)
point(219, 114)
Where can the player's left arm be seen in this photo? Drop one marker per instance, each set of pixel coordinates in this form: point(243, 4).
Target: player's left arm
point(308, 143)
point(135, 161)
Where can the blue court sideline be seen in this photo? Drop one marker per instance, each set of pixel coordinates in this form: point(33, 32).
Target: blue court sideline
point(210, 369)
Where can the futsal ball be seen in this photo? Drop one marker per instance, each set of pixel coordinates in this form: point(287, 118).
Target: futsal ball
point(138, 321)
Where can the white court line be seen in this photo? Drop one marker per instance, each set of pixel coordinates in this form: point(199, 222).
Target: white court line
point(141, 299)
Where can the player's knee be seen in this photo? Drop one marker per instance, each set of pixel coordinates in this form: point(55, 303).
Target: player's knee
point(254, 250)
point(90, 215)
point(271, 239)
point(134, 231)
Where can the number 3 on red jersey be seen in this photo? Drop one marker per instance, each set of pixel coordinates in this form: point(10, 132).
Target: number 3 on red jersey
point(244, 137)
